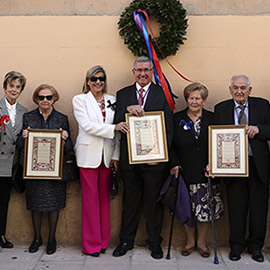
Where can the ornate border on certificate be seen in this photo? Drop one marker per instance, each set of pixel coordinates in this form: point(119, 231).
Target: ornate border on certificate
point(43, 154)
point(228, 151)
point(147, 138)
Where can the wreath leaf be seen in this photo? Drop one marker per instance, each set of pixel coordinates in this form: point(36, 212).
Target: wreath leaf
point(172, 18)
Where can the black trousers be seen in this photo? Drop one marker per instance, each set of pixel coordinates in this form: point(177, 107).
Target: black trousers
point(5, 190)
point(141, 190)
point(247, 197)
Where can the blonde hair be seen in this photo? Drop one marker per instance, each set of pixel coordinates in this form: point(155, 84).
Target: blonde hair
point(91, 72)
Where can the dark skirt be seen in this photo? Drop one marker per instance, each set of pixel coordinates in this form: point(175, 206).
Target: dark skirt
point(200, 203)
point(45, 195)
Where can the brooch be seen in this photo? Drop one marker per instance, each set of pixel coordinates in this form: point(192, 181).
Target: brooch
point(186, 125)
point(4, 120)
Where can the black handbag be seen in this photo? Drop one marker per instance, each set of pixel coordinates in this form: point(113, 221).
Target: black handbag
point(70, 169)
point(17, 178)
point(114, 186)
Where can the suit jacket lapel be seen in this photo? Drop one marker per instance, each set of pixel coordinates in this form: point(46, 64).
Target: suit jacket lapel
point(251, 108)
point(4, 111)
point(109, 113)
point(204, 123)
point(133, 95)
point(18, 121)
point(93, 106)
point(150, 97)
point(231, 112)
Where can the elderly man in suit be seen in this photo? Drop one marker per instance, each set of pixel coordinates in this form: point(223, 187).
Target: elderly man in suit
point(142, 182)
point(248, 196)
point(13, 85)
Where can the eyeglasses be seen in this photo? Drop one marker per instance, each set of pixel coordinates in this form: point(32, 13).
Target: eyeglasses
point(94, 78)
point(40, 98)
point(146, 70)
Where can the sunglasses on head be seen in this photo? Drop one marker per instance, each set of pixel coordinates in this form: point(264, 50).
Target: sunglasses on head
point(50, 97)
point(94, 78)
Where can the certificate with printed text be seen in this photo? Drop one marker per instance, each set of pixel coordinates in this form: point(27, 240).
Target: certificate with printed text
point(43, 157)
point(228, 151)
point(146, 139)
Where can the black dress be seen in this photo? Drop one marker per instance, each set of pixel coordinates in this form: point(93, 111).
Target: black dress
point(190, 151)
point(45, 195)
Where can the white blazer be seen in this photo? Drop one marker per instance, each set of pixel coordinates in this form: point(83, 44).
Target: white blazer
point(95, 138)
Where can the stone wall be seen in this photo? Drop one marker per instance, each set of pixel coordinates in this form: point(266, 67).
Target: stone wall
point(115, 7)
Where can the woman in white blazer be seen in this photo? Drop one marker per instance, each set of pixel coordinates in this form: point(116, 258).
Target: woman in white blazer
point(96, 151)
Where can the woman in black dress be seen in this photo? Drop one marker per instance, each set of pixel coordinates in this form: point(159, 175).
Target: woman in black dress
point(190, 153)
point(45, 195)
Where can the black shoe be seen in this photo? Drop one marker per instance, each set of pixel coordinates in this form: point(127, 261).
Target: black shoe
point(122, 249)
point(4, 243)
point(257, 255)
point(156, 251)
point(103, 250)
point(35, 245)
point(235, 255)
point(51, 247)
point(95, 254)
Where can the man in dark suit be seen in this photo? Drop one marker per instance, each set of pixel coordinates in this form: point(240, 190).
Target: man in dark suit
point(248, 195)
point(142, 182)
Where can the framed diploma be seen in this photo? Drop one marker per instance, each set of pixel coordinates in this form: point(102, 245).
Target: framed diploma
point(228, 151)
point(43, 158)
point(147, 138)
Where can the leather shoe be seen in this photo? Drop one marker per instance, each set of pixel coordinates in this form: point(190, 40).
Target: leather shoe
point(95, 254)
point(4, 243)
point(35, 245)
point(235, 255)
point(187, 251)
point(122, 249)
point(103, 250)
point(205, 253)
point(257, 255)
point(156, 251)
point(51, 247)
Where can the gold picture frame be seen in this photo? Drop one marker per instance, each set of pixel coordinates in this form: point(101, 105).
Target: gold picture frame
point(147, 142)
point(43, 154)
point(228, 151)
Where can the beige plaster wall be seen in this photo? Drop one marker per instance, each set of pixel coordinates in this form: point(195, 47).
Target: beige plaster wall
point(59, 50)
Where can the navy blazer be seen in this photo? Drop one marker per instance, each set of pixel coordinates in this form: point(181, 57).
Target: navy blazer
point(187, 151)
point(156, 101)
point(258, 115)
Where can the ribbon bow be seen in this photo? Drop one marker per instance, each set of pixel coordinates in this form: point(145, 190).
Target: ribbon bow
point(111, 105)
point(186, 125)
point(4, 120)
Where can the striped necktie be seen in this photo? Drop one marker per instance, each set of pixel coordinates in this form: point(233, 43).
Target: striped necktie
point(140, 99)
point(242, 115)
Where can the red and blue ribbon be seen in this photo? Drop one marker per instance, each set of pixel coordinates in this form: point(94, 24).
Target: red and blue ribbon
point(158, 74)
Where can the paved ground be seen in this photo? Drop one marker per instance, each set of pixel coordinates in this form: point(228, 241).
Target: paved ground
point(71, 258)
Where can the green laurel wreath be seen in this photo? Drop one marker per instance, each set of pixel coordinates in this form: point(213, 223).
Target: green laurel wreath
point(172, 18)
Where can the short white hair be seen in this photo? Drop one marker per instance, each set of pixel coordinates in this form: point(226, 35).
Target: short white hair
point(240, 75)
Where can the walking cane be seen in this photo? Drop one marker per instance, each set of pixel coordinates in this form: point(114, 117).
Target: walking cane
point(212, 220)
point(168, 256)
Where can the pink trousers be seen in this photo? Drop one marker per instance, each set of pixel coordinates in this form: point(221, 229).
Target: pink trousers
point(96, 228)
